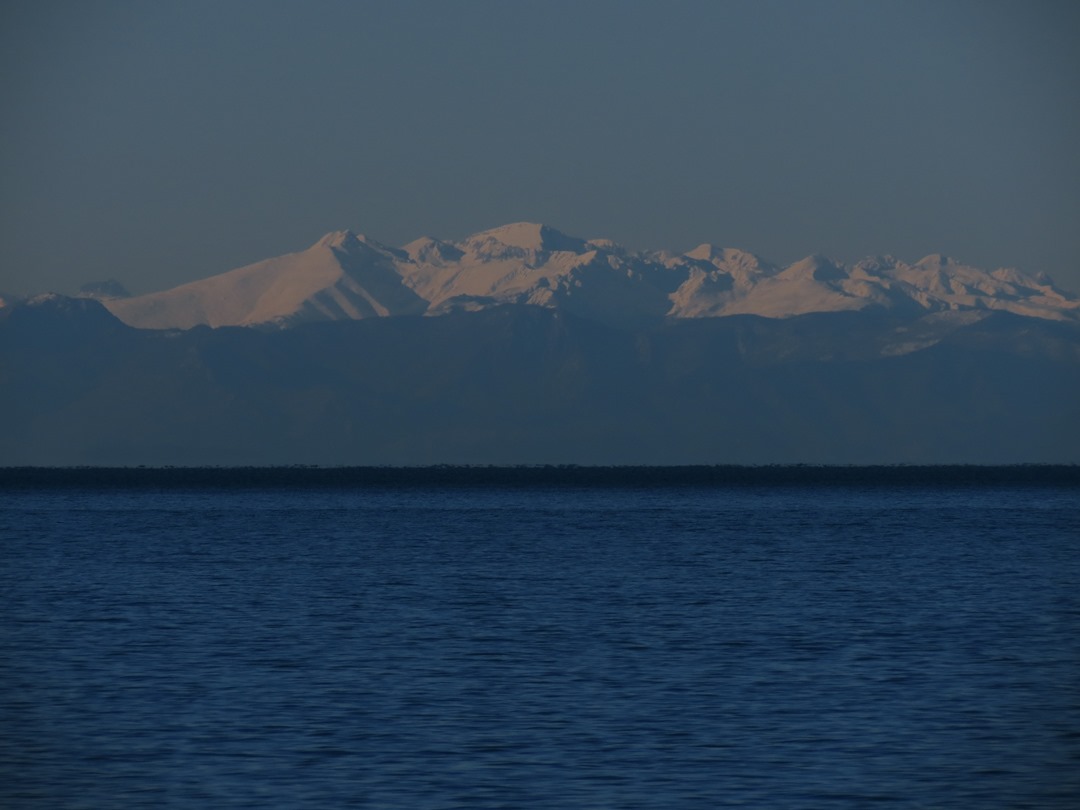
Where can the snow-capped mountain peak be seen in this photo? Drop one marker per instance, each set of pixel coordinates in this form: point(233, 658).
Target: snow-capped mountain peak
point(815, 268)
point(426, 250)
point(936, 260)
point(346, 275)
point(338, 239)
point(531, 237)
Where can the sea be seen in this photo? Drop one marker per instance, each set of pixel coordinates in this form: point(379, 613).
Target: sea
point(552, 637)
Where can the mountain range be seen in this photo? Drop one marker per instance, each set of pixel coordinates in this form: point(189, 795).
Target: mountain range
point(523, 345)
point(348, 276)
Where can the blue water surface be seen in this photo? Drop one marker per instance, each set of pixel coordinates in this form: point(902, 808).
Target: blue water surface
point(811, 646)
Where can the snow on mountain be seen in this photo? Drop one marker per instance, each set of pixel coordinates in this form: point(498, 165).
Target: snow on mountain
point(817, 284)
point(528, 263)
point(342, 276)
point(426, 250)
point(346, 276)
point(103, 290)
point(530, 238)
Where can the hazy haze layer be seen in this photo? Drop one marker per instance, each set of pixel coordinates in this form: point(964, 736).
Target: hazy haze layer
point(521, 384)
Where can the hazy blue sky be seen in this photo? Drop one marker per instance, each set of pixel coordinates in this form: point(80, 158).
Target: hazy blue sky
point(161, 142)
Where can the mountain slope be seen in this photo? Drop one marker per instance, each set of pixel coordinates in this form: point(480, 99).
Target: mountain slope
point(345, 277)
point(342, 276)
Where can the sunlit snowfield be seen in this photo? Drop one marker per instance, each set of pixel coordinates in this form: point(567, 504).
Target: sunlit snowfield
point(541, 646)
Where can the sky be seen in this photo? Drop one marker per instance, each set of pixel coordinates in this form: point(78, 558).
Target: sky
point(161, 142)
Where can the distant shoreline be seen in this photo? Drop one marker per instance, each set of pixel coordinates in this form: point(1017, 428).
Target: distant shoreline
point(525, 476)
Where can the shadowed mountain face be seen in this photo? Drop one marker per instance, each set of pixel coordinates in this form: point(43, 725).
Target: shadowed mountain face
point(528, 384)
point(349, 277)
